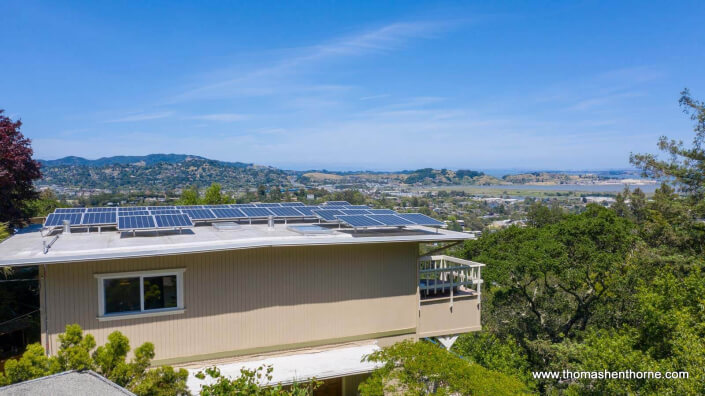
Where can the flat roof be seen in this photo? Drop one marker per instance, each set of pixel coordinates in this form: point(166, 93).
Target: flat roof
point(28, 248)
point(290, 367)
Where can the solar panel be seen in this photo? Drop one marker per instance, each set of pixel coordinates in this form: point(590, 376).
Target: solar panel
point(328, 215)
point(243, 205)
point(216, 206)
point(198, 214)
point(357, 207)
point(421, 219)
point(231, 213)
point(189, 207)
point(268, 205)
point(333, 207)
point(344, 203)
point(160, 207)
point(165, 212)
point(133, 213)
point(102, 209)
point(57, 219)
point(382, 211)
point(307, 210)
point(70, 210)
point(96, 218)
point(285, 212)
point(359, 221)
point(355, 211)
point(292, 204)
point(179, 220)
point(390, 220)
point(256, 212)
point(131, 208)
point(135, 222)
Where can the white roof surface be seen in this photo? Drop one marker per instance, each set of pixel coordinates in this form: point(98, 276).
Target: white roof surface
point(321, 364)
point(28, 249)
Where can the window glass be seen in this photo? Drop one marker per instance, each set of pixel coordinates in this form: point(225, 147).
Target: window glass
point(160, 292)
point(122, 295)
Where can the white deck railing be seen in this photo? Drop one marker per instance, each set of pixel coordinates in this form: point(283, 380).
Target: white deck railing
point(443, 274)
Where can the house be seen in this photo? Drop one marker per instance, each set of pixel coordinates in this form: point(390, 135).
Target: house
point(311, 294)
point(68, 383)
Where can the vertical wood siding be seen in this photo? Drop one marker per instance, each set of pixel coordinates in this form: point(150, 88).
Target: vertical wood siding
point(256, 298)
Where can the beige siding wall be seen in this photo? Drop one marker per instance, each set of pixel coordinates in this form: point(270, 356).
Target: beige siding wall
point(437, 318)
point(241, 300)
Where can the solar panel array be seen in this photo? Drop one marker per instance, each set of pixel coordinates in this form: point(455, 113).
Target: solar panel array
point(161, 217)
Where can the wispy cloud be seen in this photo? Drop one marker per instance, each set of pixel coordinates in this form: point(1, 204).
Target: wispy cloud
point(222, 117)
point(587, 104)
point(267, 79)
point(142, 117)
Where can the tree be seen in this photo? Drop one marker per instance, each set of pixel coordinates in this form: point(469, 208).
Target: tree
point(74, 350)
point(421, 368)
point(540, 215)
point(275, 194)
point(108, 360)
point(43, 205)
point(355, 197)
point(502, 355)
point(545, 283)
point(17, 171)
point(4, 232)
point(214, 195)
point(190, 196)
point(250, 382)
point(686, 165)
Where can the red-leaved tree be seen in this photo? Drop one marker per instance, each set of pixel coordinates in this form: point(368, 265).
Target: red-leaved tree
point(17, 170)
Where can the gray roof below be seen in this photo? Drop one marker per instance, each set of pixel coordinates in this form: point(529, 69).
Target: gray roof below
point(28, 248)
point(68, 383)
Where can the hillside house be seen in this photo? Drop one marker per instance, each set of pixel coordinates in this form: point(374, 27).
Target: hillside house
point(310, 296)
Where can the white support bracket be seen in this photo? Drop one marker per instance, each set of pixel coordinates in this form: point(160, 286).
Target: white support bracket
point(448, 340)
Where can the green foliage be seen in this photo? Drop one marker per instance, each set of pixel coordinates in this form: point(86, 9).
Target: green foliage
point(43, 205)
point(108, 360)
point(74, 350)
point(540, 215)
point(189, 196)
point(421, 368)
point(546, 282)
point(4, 231)
point(250, 383)
point(685, 165)
point(162, 381)
point(489, 351)
point(33, 364)
point(355, 197)
point(215, 196)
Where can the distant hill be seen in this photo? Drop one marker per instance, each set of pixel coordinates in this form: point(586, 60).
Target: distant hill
point(157, 172)
point(150, 159)
point(538, 178)
point(426, 176)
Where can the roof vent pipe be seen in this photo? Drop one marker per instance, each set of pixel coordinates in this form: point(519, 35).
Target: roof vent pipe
point(270, 222)
point(67, 227)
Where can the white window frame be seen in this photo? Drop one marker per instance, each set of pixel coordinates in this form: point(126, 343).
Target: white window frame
point(142, 313)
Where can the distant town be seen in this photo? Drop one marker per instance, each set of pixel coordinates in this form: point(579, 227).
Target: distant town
point(467, 200)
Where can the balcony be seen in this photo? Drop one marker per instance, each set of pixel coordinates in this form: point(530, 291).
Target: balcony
point(449, 296)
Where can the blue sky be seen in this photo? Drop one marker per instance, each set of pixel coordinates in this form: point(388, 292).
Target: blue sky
point(354, 85)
